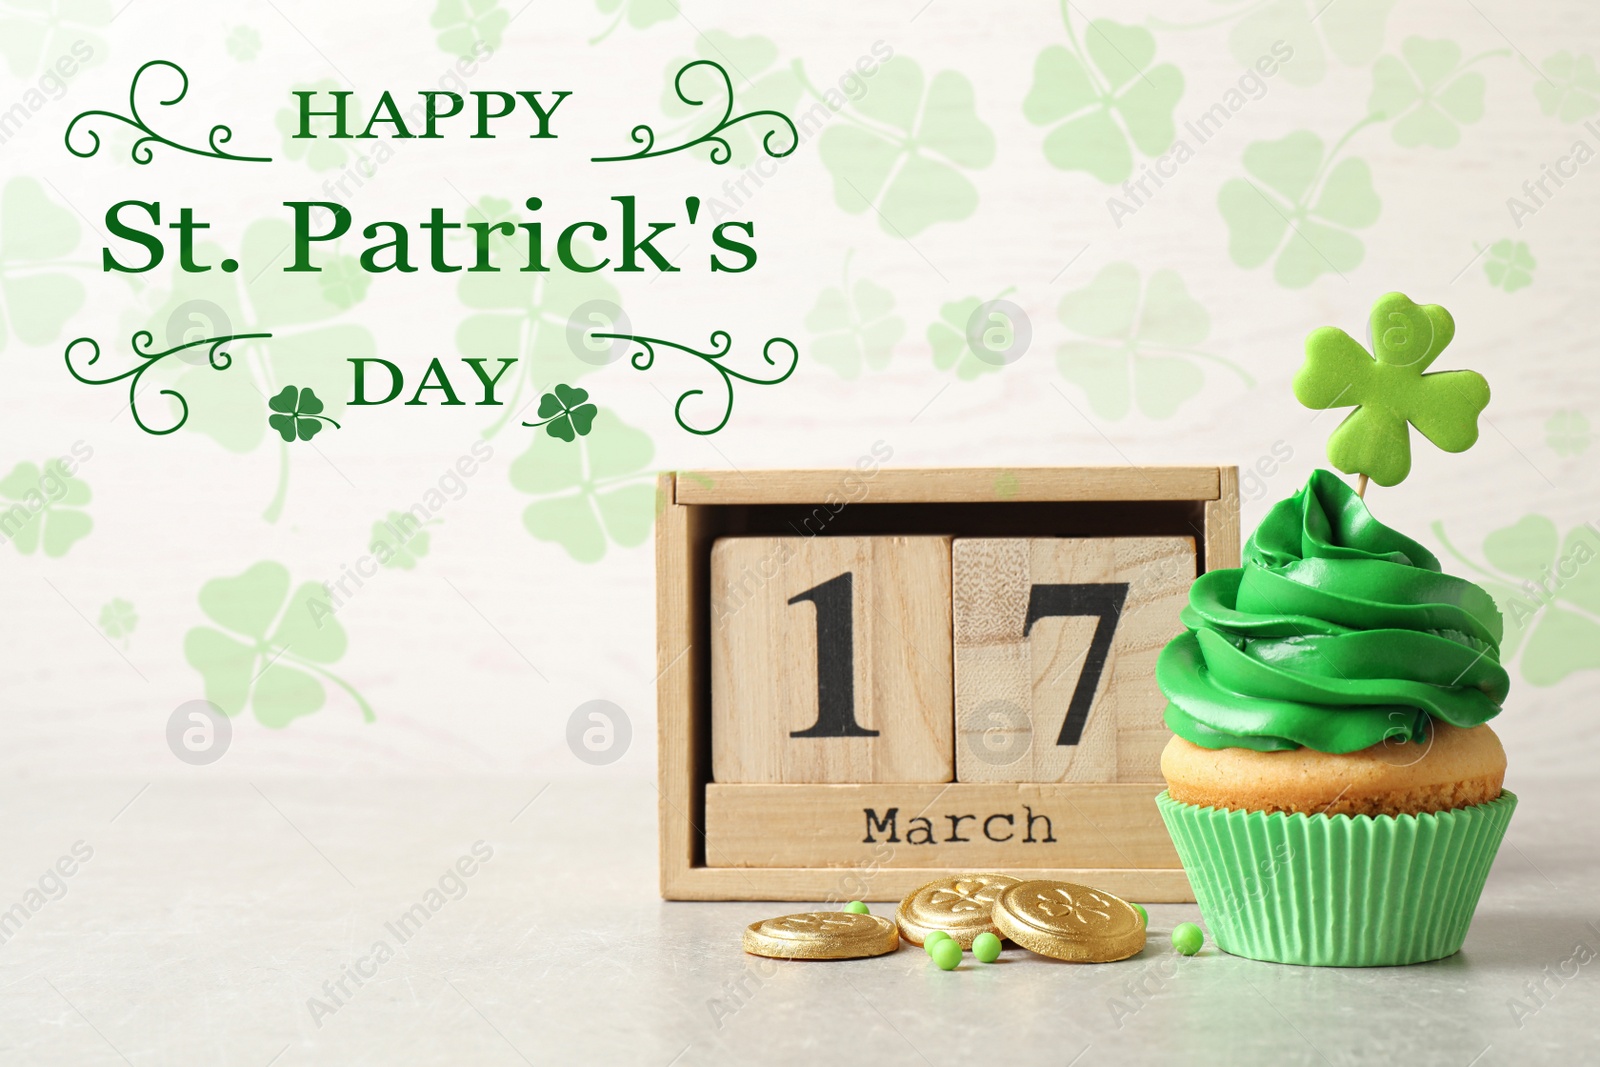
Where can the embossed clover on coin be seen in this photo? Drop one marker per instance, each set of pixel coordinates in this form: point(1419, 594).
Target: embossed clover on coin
point(1058, 903)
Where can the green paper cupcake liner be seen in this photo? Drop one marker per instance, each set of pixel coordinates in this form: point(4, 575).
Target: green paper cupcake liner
point(1338, 890)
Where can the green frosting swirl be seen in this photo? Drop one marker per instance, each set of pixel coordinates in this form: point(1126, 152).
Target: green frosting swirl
point(1336, 634)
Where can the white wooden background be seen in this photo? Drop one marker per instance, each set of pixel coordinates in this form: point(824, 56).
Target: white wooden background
point(474, 660)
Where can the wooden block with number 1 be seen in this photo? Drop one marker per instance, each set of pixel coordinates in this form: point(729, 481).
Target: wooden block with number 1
point(831, 659)
point(1056, 641)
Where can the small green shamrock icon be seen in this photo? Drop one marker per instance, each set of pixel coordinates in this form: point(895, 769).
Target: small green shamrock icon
point(566, 415)
point(1390, 391)
point(47, 509)
point(1570, 87)
point(271, 645)
point(1510, 265)
point(118, 619)
point(1430, 93)
point(1100, 102)
point(1567, 433)
point(299, 414)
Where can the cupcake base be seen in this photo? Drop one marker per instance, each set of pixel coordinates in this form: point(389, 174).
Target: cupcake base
point(1452, 768)
point(1338, 890)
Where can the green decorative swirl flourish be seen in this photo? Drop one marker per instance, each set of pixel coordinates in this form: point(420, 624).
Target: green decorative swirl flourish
point(142, 341)
point(721, 344)
point(142, 152)
point(1337, 634)
point(721, 151)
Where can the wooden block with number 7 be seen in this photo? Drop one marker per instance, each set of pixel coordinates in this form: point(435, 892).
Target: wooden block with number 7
point(1056, 642)
point(831, 659)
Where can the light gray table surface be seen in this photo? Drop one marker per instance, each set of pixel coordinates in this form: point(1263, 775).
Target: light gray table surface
point(213, 910)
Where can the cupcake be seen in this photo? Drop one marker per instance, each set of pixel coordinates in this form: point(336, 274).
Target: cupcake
point(1332, 789)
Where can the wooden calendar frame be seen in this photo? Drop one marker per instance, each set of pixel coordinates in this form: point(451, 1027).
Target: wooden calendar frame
point(698, 507)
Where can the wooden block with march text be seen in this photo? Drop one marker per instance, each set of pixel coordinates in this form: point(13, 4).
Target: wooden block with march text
point(831, 660)
point(1056, 642)
point(1004, 826)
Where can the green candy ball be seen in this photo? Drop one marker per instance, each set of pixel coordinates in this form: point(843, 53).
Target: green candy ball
point(1144, 916)
point(857, 907)
point(1187, 938)
point(946, 953)
point(933, 939)
point(986, 947)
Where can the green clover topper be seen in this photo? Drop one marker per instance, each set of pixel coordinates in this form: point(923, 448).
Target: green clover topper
point(1390, 390)
point(566, 415)
point(299, 413)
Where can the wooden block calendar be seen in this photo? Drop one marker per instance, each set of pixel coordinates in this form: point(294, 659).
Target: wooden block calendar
point(1047, 629)
point(871, 678)
point(830, 660)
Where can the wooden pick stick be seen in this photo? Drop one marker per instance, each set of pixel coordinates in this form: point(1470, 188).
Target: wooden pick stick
point(1361, 487)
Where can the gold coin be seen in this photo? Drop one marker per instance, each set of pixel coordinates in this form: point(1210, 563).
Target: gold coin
point(1069, 922)
point(821, 935)
point(960, 905)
